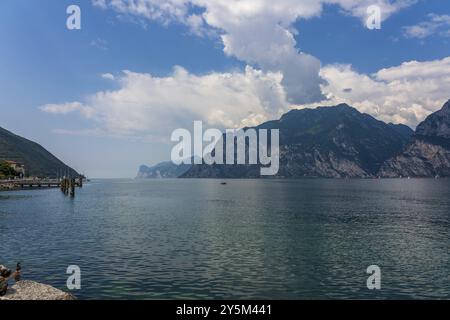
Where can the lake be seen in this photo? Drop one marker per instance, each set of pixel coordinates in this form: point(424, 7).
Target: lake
point(248, 239)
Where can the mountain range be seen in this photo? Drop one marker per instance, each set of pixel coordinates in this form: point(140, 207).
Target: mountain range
point(341, 142)
point(37, 160)
point(162, 170)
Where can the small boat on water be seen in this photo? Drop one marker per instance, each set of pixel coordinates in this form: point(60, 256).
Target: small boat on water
point(223, 183)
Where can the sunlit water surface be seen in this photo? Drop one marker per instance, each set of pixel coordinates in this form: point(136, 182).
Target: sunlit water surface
point(252, 239)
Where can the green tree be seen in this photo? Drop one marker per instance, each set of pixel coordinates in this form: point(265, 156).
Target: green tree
point(6, 171)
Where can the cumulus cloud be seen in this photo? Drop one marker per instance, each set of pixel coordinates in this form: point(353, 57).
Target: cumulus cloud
point(435, 24)
point(402, 94)
point(258, 32)
point(69, 107)
point(108, 76)
point(278, 76)
point(150, 106)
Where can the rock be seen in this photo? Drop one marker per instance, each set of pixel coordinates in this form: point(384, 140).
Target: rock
point(420, 159)
point(436, 125)
point(30, 290)
point(428, 155)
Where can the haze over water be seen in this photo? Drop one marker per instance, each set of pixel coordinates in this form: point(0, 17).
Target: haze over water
point(250, 239)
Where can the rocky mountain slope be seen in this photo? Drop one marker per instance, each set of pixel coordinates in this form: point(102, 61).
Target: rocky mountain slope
point(428, 155)
point(331, 142)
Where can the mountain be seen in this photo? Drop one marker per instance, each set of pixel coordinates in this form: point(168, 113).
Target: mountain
point(162, 170)
point(38, 161)
point(332, 142)
point(437, 125)
point(402, 129)
point(428, 155)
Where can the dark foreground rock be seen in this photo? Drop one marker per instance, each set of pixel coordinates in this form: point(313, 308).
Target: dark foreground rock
point(30, 290)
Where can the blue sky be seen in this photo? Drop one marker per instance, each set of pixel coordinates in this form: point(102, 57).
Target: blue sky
point(43, 63)
point(342, 40)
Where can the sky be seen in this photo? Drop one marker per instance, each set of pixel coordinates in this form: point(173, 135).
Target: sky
point(106, 98)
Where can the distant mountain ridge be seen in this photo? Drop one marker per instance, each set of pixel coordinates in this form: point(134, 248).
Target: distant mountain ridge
point(37, 160)
point(330, 142)
point(341, 142)
point(402, 129)
point(162, 170)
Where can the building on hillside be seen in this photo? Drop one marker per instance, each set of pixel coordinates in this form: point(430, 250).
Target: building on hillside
point(18, 167)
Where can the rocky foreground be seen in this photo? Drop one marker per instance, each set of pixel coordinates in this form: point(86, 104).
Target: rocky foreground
point(30, 290)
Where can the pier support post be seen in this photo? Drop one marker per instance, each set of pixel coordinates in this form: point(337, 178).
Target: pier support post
point(72, 187)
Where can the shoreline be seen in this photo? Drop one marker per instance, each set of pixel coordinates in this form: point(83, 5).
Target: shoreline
point(12, 187)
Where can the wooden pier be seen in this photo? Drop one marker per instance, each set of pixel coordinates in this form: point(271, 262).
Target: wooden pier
point(67, 185)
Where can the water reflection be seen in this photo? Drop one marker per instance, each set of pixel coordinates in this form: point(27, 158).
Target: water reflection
point(248, 239)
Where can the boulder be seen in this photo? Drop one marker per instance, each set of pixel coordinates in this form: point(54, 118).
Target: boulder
point(30, 290)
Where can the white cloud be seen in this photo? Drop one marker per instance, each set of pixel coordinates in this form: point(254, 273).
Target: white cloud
point(151, 107)
point(435, 24)
point(99, 44)
point(100, 3)
point(108, 76)
point(145, 105)
point(358, 8)
point(258, 32)
point(403, 94)
point(69, 107)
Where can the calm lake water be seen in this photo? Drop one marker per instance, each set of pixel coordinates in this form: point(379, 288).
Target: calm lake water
point(252, 239)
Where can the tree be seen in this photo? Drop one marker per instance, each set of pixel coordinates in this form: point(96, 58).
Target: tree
point(6, 171)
